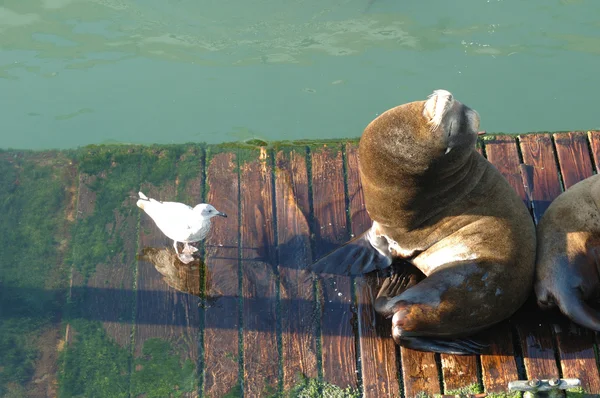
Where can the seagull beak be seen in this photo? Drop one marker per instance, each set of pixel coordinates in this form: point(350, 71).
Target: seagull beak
point(221, 214)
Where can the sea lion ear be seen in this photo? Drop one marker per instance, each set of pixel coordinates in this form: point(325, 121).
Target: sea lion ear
point(436, 107)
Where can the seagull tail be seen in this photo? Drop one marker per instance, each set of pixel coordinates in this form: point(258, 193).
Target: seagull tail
point(144, 199)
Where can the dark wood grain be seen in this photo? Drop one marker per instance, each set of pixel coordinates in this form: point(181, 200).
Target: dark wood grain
point(259, 262)
point(378, 352)
point(573, 157)
point(576, 344)
point(330, 230)
point(419, 372)
point(502, 152)
point(298, 325)
point(458, 371)
point(542, 185)
point(221, 316)
point(163, 312)
point(499, 366)
point(594, 140)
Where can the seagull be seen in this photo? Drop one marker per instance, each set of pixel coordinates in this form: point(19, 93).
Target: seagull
point(180, 222)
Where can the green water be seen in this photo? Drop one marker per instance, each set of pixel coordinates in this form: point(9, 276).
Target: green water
point(75, 72)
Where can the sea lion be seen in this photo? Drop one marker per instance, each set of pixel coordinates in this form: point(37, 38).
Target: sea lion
point(568, 257)
point(438, 204)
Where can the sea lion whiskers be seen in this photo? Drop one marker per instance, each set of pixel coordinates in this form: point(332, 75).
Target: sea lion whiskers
point(436, 107)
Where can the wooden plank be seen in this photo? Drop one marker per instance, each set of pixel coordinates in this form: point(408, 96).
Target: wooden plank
point(576, 344)
point(594, 140)
point(573, 157)
point(37, 198)
point(379, 367)
point(259, 261)
point(298, 327)
point(419, 372)
point(540, 178)
point(102, 282)
point(337, 310)
point(502, 152)
point(498, 365)
point(221, 316)
point(459, 371)
point(165, 319)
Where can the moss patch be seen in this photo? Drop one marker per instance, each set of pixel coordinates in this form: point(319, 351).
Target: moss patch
point(96, 366)
point(32, 282)
point(94, 236)
point(312, 388)
point(160, 373)
point(511, 394)
point(93, 365)
point(466, 390)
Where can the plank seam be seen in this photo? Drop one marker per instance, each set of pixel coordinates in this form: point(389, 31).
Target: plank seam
point(588, 141)
point(278, 324)
point(354, 307)
point(135, 278)
point(399, 370)
point(240, 280)
point(202, 303)
point(316, 288)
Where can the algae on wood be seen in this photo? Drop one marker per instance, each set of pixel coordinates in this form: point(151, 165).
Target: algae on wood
point(35, 196)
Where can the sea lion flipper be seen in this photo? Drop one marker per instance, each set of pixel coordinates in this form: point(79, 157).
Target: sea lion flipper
point(354, 257)
point(442, 346)
point(579, 311)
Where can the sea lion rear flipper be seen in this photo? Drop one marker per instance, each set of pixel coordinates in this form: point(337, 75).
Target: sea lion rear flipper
point(576, 309)
point(355, 257)
point(455, 347)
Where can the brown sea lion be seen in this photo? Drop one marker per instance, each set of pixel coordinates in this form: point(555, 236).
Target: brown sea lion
point(437, 203)
point(568, 253)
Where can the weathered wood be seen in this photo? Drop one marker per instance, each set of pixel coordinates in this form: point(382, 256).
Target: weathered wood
point(502, 152)
point(499, 367)
point(378, 352)
point(37, 199)
point(330, 230)
point(298, 327)
point(104, 244)
point(594, 140)
point(161, 311)
point(259, 261)
point(573, 157)
point(459, 371)
point(576, 344)
point(540, 178)
point(221, 316)
point(420, 373)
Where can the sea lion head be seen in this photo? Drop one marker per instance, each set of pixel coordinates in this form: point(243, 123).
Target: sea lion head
point(414, 135)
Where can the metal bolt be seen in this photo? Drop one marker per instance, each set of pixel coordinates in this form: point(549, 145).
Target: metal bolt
point(554, 382)
point(534, 382)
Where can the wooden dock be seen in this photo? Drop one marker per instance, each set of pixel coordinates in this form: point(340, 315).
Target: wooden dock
point(93, 305)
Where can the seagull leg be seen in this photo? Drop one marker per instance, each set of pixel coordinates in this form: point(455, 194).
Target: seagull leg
point(189, 249)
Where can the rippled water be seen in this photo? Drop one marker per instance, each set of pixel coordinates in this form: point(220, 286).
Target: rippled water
point(74, 72)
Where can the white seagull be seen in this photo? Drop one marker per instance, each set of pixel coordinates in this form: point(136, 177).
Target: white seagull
point(178, 221)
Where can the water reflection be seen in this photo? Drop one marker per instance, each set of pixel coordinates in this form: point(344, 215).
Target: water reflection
point(181, 276)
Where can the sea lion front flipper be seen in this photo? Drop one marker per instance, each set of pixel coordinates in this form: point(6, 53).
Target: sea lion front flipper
point(402, 278)
point(454, 347)
point(355, 257)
